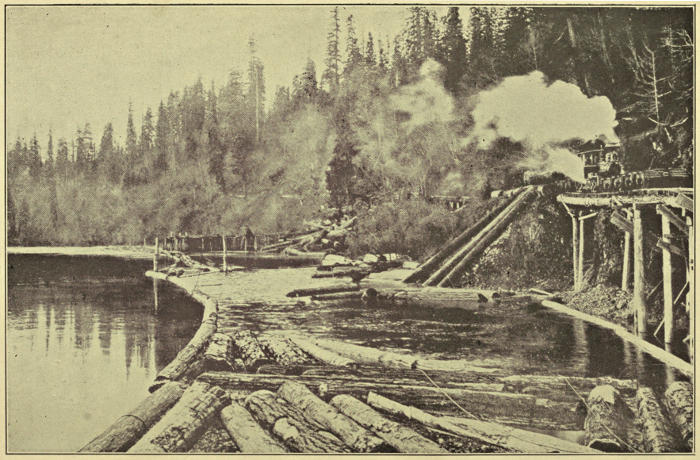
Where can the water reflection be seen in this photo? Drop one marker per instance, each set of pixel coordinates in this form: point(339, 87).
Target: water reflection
point(83, 346)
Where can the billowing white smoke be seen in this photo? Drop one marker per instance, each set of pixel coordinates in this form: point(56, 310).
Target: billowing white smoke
point(542, 116)
point(426, 101)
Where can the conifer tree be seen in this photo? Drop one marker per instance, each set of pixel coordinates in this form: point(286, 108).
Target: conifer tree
point(370, 59)
point(353, 56)
point(453, 50)
point(331, 75)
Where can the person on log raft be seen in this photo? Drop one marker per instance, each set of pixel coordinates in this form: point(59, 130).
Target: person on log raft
point(249, 239)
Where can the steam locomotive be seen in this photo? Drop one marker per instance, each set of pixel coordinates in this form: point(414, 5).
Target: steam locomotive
point(604, 172)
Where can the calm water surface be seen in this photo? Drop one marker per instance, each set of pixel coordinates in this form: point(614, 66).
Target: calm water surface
point(83, 344)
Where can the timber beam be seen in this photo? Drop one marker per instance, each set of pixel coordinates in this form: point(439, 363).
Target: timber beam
point(677, 198)
point(672, 218)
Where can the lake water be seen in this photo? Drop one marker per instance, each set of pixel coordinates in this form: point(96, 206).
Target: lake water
point(83, 344)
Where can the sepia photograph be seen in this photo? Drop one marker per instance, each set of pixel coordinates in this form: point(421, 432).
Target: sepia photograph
point(427, 229)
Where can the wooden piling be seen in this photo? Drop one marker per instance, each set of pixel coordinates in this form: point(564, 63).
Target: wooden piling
point(155, 255)
point(155, 294)
point(581, 239)
point(639, 304)
point(574, 239)
point(225, 264)
point(626, 261)
point(667, 270)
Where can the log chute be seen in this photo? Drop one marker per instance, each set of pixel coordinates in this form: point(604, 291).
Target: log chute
point(123, 433)
point(457, 262)
point(425, 269)
point(182, 425)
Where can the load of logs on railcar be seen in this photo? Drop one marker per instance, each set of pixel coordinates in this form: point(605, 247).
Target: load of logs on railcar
point(604, 172)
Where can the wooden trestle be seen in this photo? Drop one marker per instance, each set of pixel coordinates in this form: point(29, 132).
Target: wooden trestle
point(674, 208)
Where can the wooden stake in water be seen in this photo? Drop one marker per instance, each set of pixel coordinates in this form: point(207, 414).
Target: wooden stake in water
point(225, 265)
point(155, 294)
point(626, 261)
point(155, 256)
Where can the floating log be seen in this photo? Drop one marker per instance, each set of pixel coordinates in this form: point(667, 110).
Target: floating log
point(435, 297)
point(323, 290)
point(321, 354)
point(337, 296)
point(370, 355)
point(128, 428)
point(400, 437)
point(194, 348)
point(283, 351)
point(679, 401)
point(662, 355)
point(246, 347)
point(219, 354)
point(547, 384)
point(608, 420)
point(325, 415)
point(182, 425)
point(489, 432)
point(556, 387)
point(289, 424)
point(516, 439)
point(509, 408)
point(246, 433)
point(656, 433)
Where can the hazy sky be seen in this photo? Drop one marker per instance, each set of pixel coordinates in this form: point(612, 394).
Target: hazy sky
point(71, 65)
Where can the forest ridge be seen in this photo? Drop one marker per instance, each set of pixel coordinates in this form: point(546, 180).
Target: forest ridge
point(376, 130)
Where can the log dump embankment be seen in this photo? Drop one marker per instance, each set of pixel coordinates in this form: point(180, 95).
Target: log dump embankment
point(234, 389)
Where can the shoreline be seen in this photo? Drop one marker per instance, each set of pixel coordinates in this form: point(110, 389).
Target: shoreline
point(126, 251)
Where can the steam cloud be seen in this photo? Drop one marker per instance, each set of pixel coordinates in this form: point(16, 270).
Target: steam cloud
point(542, 117)
point(426, 101)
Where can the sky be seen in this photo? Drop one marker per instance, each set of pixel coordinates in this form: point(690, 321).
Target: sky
point(70, 65)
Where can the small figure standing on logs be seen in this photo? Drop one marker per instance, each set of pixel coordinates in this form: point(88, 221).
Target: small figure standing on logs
point(249, 239)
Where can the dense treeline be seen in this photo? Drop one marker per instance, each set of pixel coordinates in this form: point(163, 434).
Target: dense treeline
point(380, 127)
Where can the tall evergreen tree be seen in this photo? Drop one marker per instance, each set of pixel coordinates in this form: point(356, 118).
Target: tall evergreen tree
point(353, 56)
point(482, 52)
point(370, 58)
point(331, 75)
point(131, 139)
point(453, 50)
point(162, 135)
point(34, 158)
